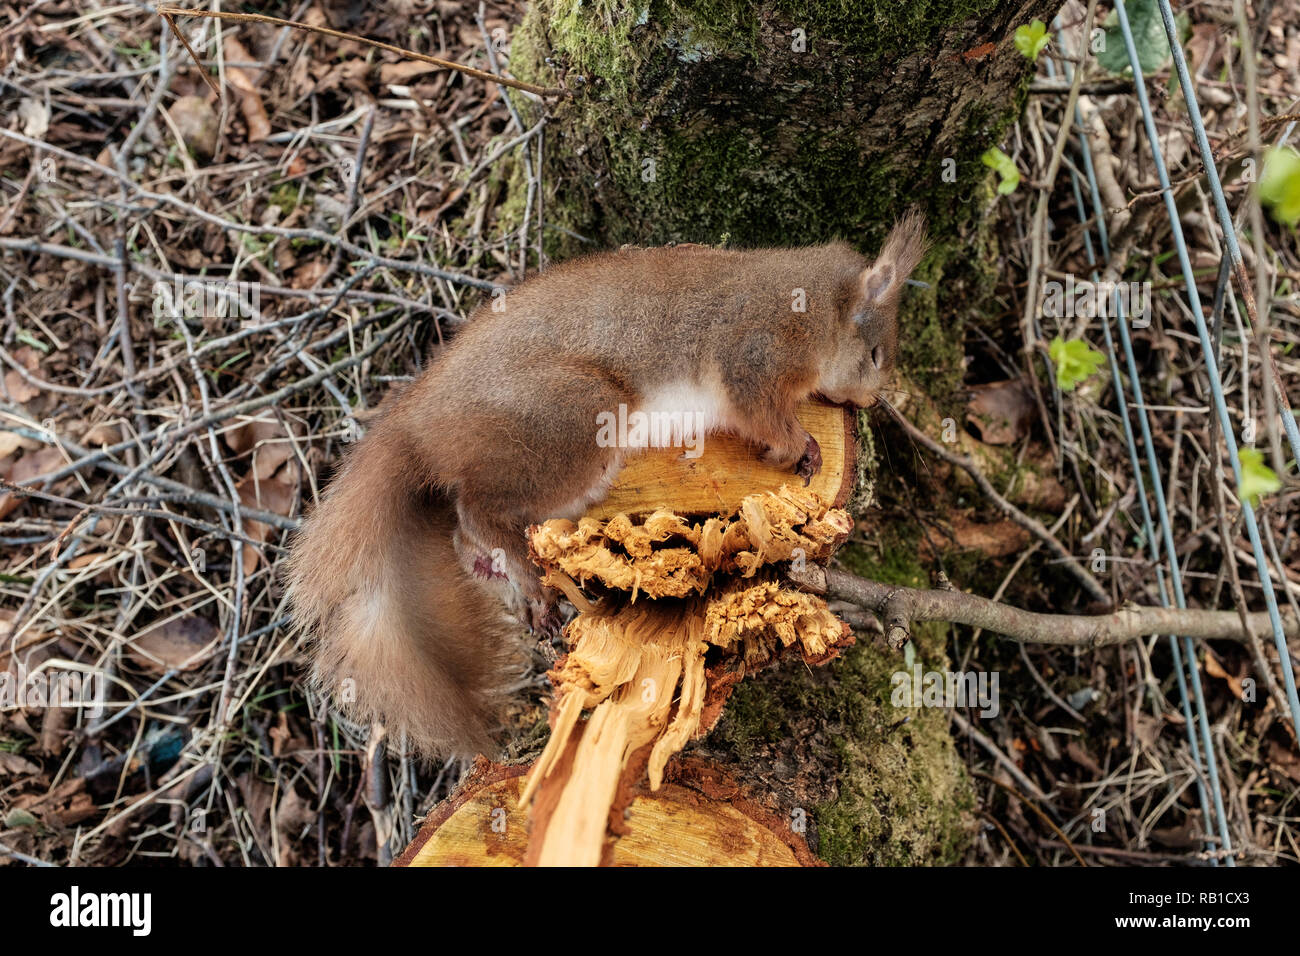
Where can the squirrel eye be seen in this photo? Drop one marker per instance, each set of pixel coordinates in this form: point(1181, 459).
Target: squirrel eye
point(878, 356)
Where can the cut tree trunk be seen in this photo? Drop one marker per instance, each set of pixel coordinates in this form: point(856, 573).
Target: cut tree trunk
point(697, 818)
point(786, 123)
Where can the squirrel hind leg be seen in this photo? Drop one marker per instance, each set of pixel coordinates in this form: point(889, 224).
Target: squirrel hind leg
point(492, 541)
point(493, 548)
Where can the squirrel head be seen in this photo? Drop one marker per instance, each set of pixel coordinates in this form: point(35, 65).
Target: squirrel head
point(868, 319)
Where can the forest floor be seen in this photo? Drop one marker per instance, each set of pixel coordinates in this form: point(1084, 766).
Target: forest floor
point(359, 205)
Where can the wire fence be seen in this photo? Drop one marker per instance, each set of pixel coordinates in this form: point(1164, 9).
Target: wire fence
point(1218, 841)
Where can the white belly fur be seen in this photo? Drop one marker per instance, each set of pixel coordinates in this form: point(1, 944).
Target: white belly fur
point(684, 413)
point(676, 415)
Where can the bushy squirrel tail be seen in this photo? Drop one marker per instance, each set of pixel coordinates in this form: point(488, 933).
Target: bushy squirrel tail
point(401, 633)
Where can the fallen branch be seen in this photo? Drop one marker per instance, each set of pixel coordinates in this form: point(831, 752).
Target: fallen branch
point(901, 607)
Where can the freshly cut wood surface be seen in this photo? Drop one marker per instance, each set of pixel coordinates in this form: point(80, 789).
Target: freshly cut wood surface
point(729, 469)
point(485, 825)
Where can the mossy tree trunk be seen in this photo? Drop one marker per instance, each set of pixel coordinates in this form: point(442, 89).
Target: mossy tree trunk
point(783, 123)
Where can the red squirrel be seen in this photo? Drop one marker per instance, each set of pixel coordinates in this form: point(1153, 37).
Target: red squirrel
point(392, 570)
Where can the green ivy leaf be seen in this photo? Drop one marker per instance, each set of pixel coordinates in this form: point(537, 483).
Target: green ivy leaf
point(19, 818)
point(28, 339)
point(1032, 39)
point(1279, 185)
point(1075, 360)
point(1005, 166)
point(1257, 478)
point(1148, 37)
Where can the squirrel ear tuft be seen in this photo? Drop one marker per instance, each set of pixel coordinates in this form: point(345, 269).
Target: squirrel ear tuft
point(883, 279)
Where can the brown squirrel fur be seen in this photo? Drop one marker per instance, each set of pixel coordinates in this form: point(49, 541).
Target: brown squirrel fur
point(394, 571)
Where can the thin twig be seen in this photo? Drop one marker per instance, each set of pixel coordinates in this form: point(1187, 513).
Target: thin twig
point(168, 12)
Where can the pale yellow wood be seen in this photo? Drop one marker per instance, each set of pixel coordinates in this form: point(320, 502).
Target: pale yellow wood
point(489, 829)
point(675, 827)
point(638, 669)
point(627, 670)
point(665, 832)
point(725, 473)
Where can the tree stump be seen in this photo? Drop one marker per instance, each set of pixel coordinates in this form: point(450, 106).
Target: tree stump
point(688, 555)
point(696, 818)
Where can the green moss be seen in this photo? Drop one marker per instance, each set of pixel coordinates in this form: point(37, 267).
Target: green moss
point(691, 122)
point(754, 716)
point(509, 215)
point(904, 797)
point(903, 794)
point(888, 557)
point(653, 149)
point(285, 196)
point(896, 791)
point(899, 792)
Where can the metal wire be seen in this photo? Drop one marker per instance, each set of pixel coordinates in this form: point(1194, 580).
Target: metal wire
point(1153, 542)
point(1183, 654)
point(1234, 253)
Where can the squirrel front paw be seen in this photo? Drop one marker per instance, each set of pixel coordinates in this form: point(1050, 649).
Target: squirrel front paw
point(810, 462)
point(545, 619)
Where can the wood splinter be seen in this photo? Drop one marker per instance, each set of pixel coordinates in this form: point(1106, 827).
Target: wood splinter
point(640, 673)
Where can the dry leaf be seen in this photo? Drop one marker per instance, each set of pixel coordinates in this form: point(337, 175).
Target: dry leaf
point(32, 463)
point(86, 560)
point(14, 764)
point(272, 495)
point(1214, 667)
point(1001, 412)
point(995, 539)
point(35, 118)
point(267, 439)
point(1284, 760)
point(402, 72)
point(1079, 754)
point(181, 643)
point(17, 387)
point(10, 442)
point(279, 734)
point(250, 100)
point(105, 433)
point(292, 817)
point(308, 274)
point(197, 123)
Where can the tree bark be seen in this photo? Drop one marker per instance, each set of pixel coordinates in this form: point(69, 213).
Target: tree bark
point(788, 123)
point(783, 123)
